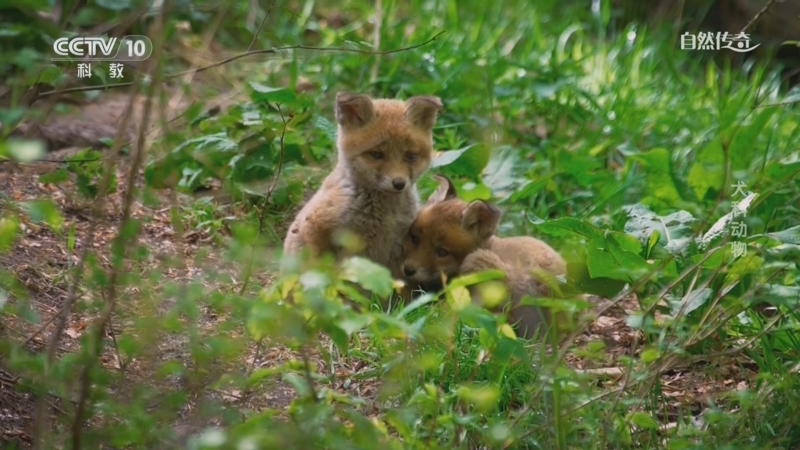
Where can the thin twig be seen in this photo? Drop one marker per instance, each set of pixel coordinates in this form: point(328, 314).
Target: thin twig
point(260, 27)
point(758, 15)
point(263, 212)
point(245, 55)
point(280, 168)
point(307, 373)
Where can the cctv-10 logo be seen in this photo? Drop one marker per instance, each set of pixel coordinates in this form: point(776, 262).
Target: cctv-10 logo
point(129, 48)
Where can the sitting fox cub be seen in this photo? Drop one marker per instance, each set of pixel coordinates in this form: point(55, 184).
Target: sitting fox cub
point(383, 147)
point(451, 237)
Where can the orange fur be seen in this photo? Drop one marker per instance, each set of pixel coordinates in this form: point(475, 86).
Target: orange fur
point(451, 237)
point(384, 146)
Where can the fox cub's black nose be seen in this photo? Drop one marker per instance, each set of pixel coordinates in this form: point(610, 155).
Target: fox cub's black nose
point(399, 184)
point(409, 271)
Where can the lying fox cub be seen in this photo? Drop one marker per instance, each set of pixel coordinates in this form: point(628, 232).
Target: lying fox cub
point(451, 237)
point(384, 146)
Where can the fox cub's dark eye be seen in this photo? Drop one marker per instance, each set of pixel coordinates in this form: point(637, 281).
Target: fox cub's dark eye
point(441, 253)
point(410, 157)
point(414, 239)
point(376, 155)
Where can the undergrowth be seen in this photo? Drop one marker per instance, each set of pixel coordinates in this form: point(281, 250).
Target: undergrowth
point(663, 177)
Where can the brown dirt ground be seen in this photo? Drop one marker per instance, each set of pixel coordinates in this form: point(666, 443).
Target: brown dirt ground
point(40, 261)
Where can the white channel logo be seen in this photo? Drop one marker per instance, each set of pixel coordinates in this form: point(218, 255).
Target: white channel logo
point(129, 48)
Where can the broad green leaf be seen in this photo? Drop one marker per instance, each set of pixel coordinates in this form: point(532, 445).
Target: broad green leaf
point(708, 171)
point(475, 191)
point(657, 164)
point(529, 189)
point(483, 396)
point(643, 421)
point(652, 241)
point(338, 336)
point(675, 230)
point(690, 301)
point(500, 173)
point(649, 355)
point(745, 141)
point(787, 236)
point(746, 265)
point(564, 226)
point(355, 323)
point(44, 211)
point(470, 163)
point(627, 242)
point(606, 259)
point(268, 94)
point(369, 275)
point(579, 277)
point(9, 227)
point(448, 157)
point(59, 176)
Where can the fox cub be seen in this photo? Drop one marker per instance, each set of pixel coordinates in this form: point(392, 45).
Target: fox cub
point(451, 237)
point(384, 145)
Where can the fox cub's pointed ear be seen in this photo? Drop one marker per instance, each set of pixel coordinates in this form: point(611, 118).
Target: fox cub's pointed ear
point(354, 110)
point(421, 111)
point(446, 190)
point(481, 218)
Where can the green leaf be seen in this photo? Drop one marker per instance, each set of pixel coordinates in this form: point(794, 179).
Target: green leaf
point(746, 265)
point(9, 227)
point(44, 211)
point(652, 241)
point(745, 141)
point(500, 174)
point(266, 94)
point(483, 396)
point(529, 189)
point(298, 383)
point(578, 276)
point(675, 229)
point(606, 259)
point(355, 323)
point(787, 236)
point(657, 164)
point(643, 421)
point(708, 171)
point(369, 275)
point(338, 336)
point(564, 226)
point(59, 176)
point(690, 301)
point(448, 157)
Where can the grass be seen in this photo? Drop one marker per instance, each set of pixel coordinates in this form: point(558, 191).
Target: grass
point(565, 120)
